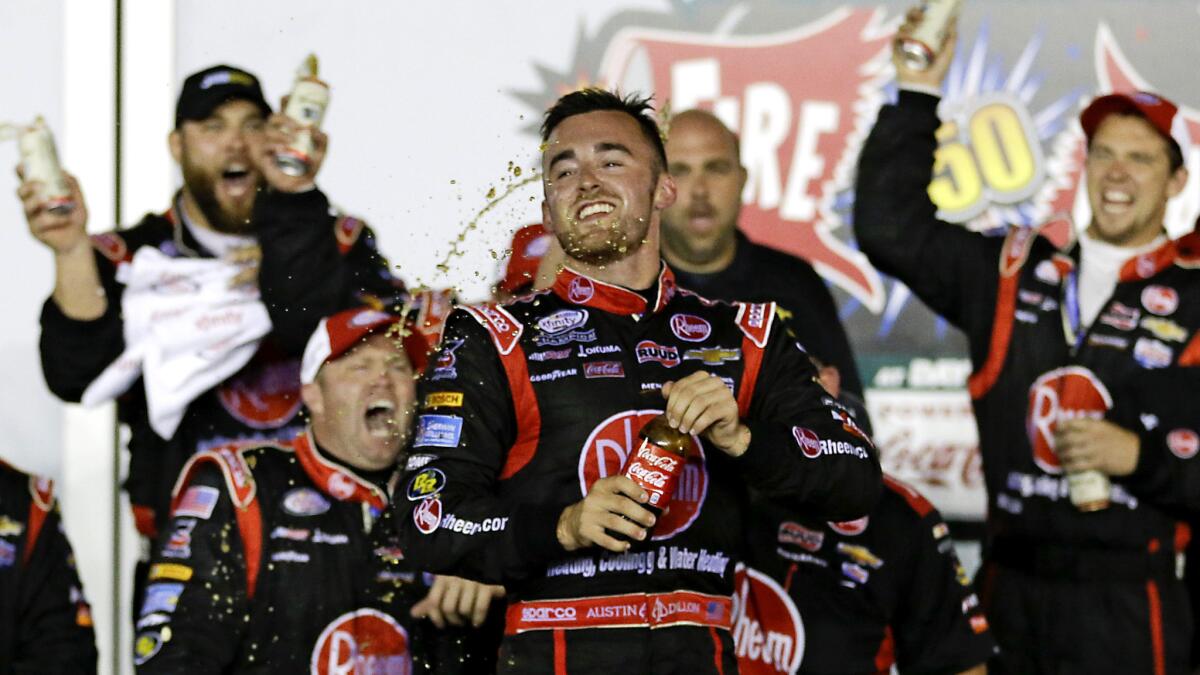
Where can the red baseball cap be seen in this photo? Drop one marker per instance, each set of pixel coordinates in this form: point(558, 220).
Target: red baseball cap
point(529, 245)
point(1162, 114)
point(335, 335)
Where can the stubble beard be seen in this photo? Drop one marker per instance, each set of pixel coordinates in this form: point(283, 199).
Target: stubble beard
point(202, 186)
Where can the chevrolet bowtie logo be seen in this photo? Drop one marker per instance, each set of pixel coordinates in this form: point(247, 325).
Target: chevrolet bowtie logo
point(713, 356)
point(860, 554)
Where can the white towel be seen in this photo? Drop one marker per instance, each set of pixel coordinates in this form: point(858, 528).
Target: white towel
point(186, 331)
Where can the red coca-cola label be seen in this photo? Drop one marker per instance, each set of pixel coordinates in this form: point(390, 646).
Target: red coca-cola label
point(768, 635)
point(611, 449)
point(1059, 395)
point(362, 642)
point(656, 470)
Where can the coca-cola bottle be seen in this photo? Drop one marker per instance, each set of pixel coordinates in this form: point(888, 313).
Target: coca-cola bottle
point(658, 462)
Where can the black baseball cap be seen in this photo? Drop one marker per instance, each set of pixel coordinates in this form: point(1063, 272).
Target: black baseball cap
point(205, 91)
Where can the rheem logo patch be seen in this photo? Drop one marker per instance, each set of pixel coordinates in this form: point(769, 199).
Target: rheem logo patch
point(768, 635)
point(1059, 395)
point(362, 642)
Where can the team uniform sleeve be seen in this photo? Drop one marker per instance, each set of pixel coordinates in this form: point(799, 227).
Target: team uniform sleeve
point(1162, 411)
point(938, 624)
point(449, 516)
point(952, 270)
point(820, 328)
point(804, 447)
point(75, 352)
point(315, 264)
point(55, 626)
point(192, 617)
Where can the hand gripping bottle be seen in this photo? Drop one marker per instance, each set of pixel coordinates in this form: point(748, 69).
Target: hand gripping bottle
point(39, 161)
point(306, 105)
point(658, 462)
point(926, 41)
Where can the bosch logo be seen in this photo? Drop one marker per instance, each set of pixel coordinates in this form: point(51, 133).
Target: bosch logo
point(809, 442)
point(1062, 394)
point(690, 328)
point(548, 614)
point(580, 290)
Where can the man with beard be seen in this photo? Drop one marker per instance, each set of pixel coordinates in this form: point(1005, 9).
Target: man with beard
point(532, 407)
point(710, 255)
point(282, 558)
point(175, 299)
point(1085, 382)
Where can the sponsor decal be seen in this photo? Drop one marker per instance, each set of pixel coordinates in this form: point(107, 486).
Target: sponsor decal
point(768, 634)
point(444, 399)
point(444, 367)
point(580, 290)
point(1165, 329)
point(304, 501)
point(713, 356)
point(10, 527)
point(550, 355)
point(855, 572)
point(438, 431)
point(155, 619)
point(1047, 272)
point(1113, 341)
point(146, 645)
point(1151, 353)
point(179, 544)
point(161, 597)
point(850, 528)
point(586, 352)
point(367, 317)
point(860, 555)
point(1184, 443)
point(8, 553)
point(612, 443)
point(330, 538)
point(578, 335)
point(554, 375)
point(339, 485)
point(562, 321)
point(599, 369)
point(941, 530)
point(1160, 300)
point(428, 515)
point(969, 603)
point(427, 483)
point(290, 533)
point(290, 556)
point(549, 614)
point(979, 624)
point(648, 350)
point(808, 440)
point(1030, 297)
point(453, 523)
point(960, 574)
point(1062, 394)
point(198, 502)
point(1025, 316)
point(361, 642)
point(690, 327)
point(417, 462)
point(797, 535)
point(172, 571)
point(263, 395)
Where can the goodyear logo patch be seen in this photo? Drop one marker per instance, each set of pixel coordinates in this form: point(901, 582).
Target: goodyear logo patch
point(427, 483)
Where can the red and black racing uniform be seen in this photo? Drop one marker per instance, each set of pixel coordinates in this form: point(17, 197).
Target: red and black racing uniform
point(279, 559)
point(1067, 591)
point(531, 402)
point(885, 589)
point(314, 263)
point(45, 621)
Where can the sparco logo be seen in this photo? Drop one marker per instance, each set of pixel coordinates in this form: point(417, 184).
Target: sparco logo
point(690, 328)
point(362, 642)
point(1062, 394)
point(547, 614)
point(768, 635)
point(648, 350)
point(613, 441)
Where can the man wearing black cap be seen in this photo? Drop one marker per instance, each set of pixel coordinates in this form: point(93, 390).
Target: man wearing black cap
point(168, 316)
point(1085, 382)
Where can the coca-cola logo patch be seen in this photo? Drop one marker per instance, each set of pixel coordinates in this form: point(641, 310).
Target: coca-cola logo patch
point(690, 327)
point(263, 395)
point(1184, 443)
point(611, 444)
point(362, 642)
point(580, 290)
point(1160, 300)
point(1062, 394)
point(768, 634)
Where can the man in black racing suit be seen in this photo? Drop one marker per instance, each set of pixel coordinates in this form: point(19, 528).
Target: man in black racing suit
point(531, 408)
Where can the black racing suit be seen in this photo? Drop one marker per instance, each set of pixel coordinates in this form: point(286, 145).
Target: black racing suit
point(759, 273)
point(1069, 591)
point(45, 621)
point(314, 263)
point(278, 558)
point(883, 590)
point(531, 402)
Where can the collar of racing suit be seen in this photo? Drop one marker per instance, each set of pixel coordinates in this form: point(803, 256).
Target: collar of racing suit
point(581, 289)
point(336, 480)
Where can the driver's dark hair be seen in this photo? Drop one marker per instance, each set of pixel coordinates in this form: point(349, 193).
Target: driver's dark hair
point(594, 99)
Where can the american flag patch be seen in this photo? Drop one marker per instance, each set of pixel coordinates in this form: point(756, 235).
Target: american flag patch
point(198, 502)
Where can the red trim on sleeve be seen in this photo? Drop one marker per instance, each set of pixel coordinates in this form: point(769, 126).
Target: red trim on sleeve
point(1156, 635)
point(42, 492)
point(529, 416)
point(560, 652)
point(916, 501)
point(1012, 258)
point(249, 520)
point(1190, 356)
point(718, 650)
point(755, 321)
point(886, 656)
point(1183, 536)
point(143, 520)
point(346, 230)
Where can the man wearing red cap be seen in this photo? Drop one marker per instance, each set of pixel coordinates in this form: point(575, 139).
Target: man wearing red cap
point(282, 558)
point(1085, 382)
